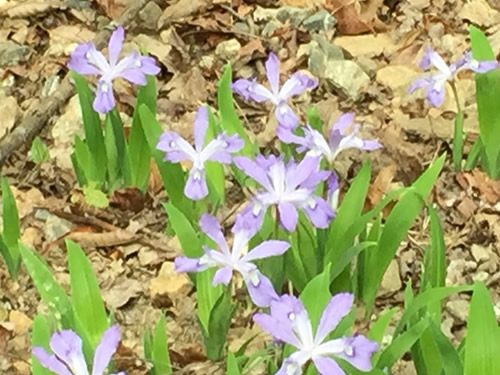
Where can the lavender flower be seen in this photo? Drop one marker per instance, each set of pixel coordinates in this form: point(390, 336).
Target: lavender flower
point(333, 190)
point(435, 83)
point(289, 322)
point(237, 259)
point(288, 186)
point(86, 59)
point(294, 86)
point(68, 358)
point(340, 139)
point(219, 149)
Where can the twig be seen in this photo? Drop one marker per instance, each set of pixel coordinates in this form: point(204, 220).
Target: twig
point(36, 118)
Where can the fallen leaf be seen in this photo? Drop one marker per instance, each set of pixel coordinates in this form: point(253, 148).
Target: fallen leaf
point(489, 190)
point(89, 240)
point(32, 8)
point(128, 199)
point(169, 286)
point(22, 323)
point(119, 294)
point(354, 17)
point(182, 8)
point(380, 186)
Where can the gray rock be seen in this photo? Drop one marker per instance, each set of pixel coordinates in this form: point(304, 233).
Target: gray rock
point(228, 49)
point(293, 14)
point(479, 253)
point(346, 76)
point(270, 28)
point(320, 52)
point(56, 227)
point(264, 14)
point(12, 53)
point(320, 21)
point(459, 308)
point(368, 65)
point(150, 15)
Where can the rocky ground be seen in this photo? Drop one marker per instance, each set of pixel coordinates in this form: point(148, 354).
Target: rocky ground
point(365, 54)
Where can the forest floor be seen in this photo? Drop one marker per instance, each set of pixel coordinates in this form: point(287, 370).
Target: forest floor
point(365, 54)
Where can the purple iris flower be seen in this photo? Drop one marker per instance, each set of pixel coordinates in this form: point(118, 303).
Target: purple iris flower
point(343, 135)
point(294, 86)
point(288, 186)
point(238, 259)
point(68, 358)
point(289, 322)
point(333, 190)
point(218, 149)
point(86, 59)
point(435, 83)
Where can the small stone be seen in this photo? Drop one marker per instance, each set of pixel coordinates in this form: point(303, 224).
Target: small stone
point(391, 282)
point(320, 21)
point(270, 28)
point(293, 14)
point(12, 53)
point(22, 323)
point(346, 76)
point(481, 276)
point(207, 62)
point(56, 227)
point(169, 285)
point(368, 65)
point(228, 50)
point(150, 15)
point(264, 14)
point(479, 253)
point(459, 308)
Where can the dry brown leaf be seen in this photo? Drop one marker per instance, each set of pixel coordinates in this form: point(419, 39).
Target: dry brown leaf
point(22, 323)
point(107, 239)
point(489, 190)
point(32, 8)
point(380, 185)
point(113, 8)
point(354, 17)
point(181, 9)
point(128, 199)
point(123, 290)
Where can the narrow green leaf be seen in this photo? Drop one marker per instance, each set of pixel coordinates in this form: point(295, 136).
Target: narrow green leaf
point(450, 360)
point(487, 92)
point(230, 121)
point(482, 345)
point(218, 327)
point(160, 354)
point(113, 167)
point(39, 151)
point(140, 154)
point(84, 162)
point(379, 328)
point(49, 289)
point(187, 235)
point(122, 151)
point(232, 365)
point(11, 232)
point(458, 142)
point(207, 296)
point(401, 344)
point(474, 155)
point(40, 336)
point(395, 229)
point(92, 126)
point(316, 296)
point(86, 296)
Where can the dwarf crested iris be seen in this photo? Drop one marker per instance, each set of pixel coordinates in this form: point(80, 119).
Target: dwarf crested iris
point(218, 149)
point(87, 60)
point(238, 259)
point(343, 135)
point(68, 358)
point(434, 84)
point(297, 84)
point(289, 322)
point(289, 186)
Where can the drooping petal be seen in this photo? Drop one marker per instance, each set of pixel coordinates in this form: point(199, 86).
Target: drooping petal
point(266, 249)
point(343, 123)
point(286, 135)
point(253, 170)
point(370, 145)
point(297, 84)
point(280, 330)
point(148, 65)
point(433, 58)
point(67, 346)
point(260, 289)
point(196, 185)
point(285, 116)
point(222, 276)
point(289, 367)
point(211, 227)
point(251, 90)
point(319, 212)
point(288, 216)
point(359, 351)
point(333, 191)
point(135, 76)
point(79, 62)
point(115, 45)
point(105, 350)
point(50, 361)
point(296, 176)
point(436, 93)
point(420, 83)
point(273, 72)
point(484, 66)
point(175, 147)
point(250, 218)
point(339, 306)
point(468, 62)
point(240, 87)
point(200, 128)
point(327, 366)
point(191, 265)
point(104, 100)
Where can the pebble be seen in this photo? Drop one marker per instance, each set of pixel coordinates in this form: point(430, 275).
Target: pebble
point(347, 76)
point(150, 15)
point(479, 253)
point(12, 53)
point(459, 308)
point(320, 21)
point(293, 14)
point(228, 50)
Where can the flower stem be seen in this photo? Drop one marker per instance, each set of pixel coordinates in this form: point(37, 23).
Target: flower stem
point(458, 132)
point(276, 222)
